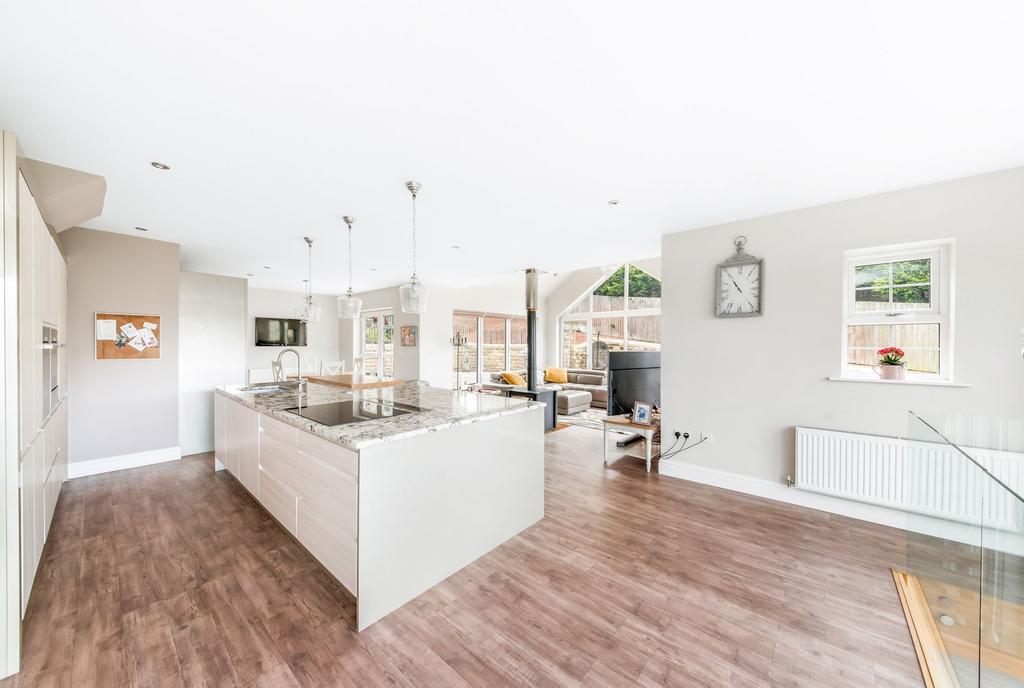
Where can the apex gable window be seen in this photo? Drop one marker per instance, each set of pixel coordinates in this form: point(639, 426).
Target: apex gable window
point(620, 313)
point(899, 296)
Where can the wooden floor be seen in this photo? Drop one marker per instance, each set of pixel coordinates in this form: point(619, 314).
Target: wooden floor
point(171, 575)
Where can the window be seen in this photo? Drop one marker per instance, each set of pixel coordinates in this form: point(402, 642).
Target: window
point(378, 347)
point(899, 296)
point(491, 344)
point(622, 313)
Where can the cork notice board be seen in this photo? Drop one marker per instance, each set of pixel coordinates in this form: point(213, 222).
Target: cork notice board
point(120, 336)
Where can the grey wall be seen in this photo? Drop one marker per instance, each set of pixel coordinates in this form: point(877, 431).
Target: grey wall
point(748, 381)
point(120, 407)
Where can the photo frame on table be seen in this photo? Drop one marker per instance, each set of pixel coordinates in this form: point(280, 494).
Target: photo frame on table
point(643, 412)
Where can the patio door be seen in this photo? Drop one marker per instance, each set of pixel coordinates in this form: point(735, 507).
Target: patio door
point(378, 343)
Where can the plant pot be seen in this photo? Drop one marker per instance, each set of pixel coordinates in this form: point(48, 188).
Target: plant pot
point(891, 372)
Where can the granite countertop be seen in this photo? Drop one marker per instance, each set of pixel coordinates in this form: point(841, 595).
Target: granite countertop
point(442, 409)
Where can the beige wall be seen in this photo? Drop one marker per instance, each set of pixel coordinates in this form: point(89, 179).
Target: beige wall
point(749, 381)
point(120, 407)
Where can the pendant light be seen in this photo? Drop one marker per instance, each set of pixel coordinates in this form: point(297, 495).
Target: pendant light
point(349, 306)
point(412, 294)
point(310, 312)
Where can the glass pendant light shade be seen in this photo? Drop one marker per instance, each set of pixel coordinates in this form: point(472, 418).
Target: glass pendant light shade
point(349, 306)
point(412, 293)
point(413, 296)
point(310, 312)
point(313, 312)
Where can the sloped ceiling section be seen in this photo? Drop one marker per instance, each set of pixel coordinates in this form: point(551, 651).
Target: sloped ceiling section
point(66, 197)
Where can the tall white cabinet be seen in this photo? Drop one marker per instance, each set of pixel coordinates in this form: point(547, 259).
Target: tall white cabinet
point(42, 360)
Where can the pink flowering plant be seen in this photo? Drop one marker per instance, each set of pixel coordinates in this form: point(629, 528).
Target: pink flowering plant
point(890, 355)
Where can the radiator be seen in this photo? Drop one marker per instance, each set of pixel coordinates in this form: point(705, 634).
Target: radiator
point(928, 478)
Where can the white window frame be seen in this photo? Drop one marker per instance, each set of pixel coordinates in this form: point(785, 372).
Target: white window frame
point(942, 255)
point(588, 317)
point(480, 338)
point(380, 313)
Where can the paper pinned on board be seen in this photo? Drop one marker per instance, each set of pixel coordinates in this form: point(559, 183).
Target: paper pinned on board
point(106, 330)
point(148, 338)
point(129, 330)
point(136, 342)
point(150, 326)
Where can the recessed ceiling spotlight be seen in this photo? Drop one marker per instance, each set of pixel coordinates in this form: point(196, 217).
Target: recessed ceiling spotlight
point(142, 229)
point(455, 247)
point(373, 269)
point(249, 274)
point(613, 202)
point(160, 165)
point(266, 267)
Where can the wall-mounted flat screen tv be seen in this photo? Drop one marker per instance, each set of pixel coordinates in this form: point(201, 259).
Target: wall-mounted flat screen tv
point(280, 332)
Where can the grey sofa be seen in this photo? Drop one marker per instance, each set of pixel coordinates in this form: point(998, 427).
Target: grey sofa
point(593, 381)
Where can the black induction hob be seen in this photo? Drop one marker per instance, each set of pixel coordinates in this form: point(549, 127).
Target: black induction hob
point(347, 412)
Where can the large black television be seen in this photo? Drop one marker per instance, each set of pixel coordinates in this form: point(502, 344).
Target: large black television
point(633, 376)
point(280, 332)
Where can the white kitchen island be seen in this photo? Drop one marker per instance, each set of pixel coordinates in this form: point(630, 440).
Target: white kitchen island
point(393, 505)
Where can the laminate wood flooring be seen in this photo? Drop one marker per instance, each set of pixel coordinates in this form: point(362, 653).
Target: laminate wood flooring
point(171, 575)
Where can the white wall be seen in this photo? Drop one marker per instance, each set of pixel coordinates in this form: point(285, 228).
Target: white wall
point(212, 351)
point(322, 342)
point(431, 359)
point(120, 407)
point(569, 289)
point(407, 358)
point(749, 381)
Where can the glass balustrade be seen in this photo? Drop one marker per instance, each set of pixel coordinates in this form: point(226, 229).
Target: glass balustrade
point(962, 580)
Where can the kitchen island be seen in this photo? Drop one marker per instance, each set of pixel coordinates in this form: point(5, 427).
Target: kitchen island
point(392, 490)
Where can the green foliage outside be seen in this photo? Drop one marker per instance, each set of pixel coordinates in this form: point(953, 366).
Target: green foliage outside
point(640, 284)
point(874, 281)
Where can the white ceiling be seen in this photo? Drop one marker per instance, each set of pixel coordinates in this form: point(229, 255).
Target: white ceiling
point(521, 120)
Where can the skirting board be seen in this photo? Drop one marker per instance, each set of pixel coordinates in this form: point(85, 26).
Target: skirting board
point(79, 469)
point(1012, 543)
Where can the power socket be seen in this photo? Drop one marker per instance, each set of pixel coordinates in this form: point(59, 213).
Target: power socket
point(709, 438)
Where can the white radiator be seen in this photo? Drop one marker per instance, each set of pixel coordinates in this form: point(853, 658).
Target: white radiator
point(927, 478)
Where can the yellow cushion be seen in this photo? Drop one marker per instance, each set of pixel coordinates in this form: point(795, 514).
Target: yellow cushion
point(556, 375)
point(514, 379)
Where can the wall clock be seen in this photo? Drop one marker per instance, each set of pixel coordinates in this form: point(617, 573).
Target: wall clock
point(739, 284)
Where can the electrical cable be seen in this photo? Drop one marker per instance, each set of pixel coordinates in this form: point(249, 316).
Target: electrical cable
point(683, 448)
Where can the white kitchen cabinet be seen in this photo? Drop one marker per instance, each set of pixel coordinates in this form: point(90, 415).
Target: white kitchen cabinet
point(331, 545)
point(42, 299)
point(28, 337)
point(220, 430)
point(243, 439)
point(277, 499)
point(309, 485)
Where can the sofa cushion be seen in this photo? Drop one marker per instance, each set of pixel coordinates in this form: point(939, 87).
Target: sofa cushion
point(589, 379)
point(514, 379)
point(556, 375)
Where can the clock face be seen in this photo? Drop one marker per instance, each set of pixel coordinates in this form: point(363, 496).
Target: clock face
point(739, 290)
